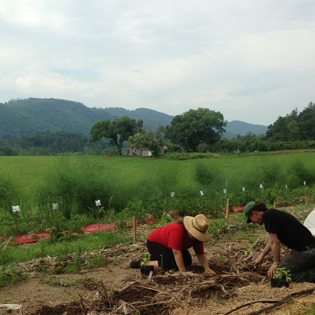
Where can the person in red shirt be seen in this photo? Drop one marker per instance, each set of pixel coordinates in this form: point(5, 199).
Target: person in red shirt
point(168, 245)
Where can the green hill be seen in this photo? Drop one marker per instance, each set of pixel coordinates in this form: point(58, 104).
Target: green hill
point(151, 118)
point(241, 128)
point(36, 115)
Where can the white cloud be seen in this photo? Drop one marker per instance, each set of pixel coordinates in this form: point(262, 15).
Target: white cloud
point(252, 60)
point(31, 14)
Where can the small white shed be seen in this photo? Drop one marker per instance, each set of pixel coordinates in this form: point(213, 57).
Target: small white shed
point(137, 152)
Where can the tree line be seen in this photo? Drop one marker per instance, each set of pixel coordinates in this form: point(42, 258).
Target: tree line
point(202, 130)
point(43, 143)
point(199, 130)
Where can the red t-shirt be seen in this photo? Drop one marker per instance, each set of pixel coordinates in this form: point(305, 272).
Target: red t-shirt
point(175, 236)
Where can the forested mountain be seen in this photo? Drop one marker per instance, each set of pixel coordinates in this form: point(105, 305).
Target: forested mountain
point(36, 115)
point(151, 118)
point(241, 128)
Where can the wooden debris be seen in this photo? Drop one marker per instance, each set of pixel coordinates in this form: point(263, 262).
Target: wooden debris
point(283, 300)
point(160, 295)
point(275, 303)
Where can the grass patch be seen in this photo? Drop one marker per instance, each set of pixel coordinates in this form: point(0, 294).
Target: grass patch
point(65, 283)
point(10, 276)
point(66, 246)
point(311, 311)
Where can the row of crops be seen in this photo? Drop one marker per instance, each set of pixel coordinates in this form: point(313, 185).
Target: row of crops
point(75, 191)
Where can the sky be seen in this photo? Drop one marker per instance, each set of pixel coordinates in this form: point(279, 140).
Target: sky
point(251, 60)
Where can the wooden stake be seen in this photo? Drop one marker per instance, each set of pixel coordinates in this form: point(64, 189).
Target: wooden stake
point(227, 211)
point(134, 230)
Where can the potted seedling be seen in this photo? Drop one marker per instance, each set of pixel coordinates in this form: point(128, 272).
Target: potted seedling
point(145, 268)
point(281, 277)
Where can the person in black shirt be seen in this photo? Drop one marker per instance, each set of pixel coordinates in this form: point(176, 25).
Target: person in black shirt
point(284, 228)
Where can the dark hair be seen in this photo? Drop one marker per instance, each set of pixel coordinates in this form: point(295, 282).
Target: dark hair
point(260, 206)
point(180, 221)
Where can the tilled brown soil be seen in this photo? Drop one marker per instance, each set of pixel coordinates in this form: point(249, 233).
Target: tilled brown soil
point(117, 289)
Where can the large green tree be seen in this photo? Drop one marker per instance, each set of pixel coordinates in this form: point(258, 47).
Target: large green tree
point(196, 126)
point(306, 121)
point(284, 128)
point(294, 126)
point(118, 130)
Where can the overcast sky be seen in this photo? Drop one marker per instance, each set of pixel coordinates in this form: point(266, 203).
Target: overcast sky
point(252, 60)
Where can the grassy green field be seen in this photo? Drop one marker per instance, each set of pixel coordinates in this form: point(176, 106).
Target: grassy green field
point(29, 172)
point(136, 186)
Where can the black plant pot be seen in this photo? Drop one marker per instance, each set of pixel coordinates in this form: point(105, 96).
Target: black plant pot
point(145, 270)
point(278, 283)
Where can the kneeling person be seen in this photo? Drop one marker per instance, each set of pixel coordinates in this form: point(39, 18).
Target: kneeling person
point(168, 245)
point(282, 227)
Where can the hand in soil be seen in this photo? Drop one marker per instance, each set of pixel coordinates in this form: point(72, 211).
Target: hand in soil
point(210, 272)
point(271, 270)
point(258, 261)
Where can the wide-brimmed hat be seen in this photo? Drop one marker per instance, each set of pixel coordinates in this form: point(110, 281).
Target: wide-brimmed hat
point(198, 227)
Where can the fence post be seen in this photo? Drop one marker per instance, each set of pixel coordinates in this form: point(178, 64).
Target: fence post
point(134, 230)
point(227, 211)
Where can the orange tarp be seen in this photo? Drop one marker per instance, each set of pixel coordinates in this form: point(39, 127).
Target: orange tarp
point(92, 228)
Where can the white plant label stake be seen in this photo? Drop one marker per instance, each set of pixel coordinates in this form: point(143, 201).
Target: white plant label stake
point(261, 186)
point(16, 209)
point(201, 193)
point(224, 191)
point(97, 203)
point(55, 206)
point(172, 194)
point(243, 189)
point(304, 183)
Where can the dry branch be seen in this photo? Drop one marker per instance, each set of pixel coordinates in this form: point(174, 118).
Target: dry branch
point(276, 303)
point(284, 300)
point(247, 304)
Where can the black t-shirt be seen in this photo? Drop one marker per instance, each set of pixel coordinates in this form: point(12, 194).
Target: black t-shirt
point(289, 230)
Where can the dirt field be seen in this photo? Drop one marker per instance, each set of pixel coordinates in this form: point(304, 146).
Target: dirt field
point(117, 289)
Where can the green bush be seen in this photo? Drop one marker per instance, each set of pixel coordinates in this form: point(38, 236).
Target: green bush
point(75, 187)
point(6, 194)
point(297, 173)
point(208, 175)
point(9, 276)
point(9, 193)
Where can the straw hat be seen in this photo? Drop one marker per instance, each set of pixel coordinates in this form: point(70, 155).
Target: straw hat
point(198, 227)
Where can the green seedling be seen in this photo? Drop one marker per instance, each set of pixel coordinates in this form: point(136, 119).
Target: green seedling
point(283, 274)
point(145, 259)
point(281, 277)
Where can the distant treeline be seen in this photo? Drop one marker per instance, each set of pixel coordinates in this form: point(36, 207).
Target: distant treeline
point(295, 131)
point(45, 143)
point(57, 143)
point(252, 143)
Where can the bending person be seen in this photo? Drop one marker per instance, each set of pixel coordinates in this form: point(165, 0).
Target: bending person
point(284, 228)
point(168, 245)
